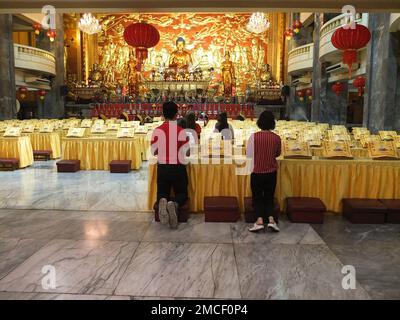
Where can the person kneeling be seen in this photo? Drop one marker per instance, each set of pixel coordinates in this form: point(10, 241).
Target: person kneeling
point(170, 143)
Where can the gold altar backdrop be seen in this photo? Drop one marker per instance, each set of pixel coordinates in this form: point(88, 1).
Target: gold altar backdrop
point(207, 36)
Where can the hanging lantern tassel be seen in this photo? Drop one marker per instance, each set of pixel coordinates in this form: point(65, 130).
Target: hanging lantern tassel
point(350, 40)
point(309, 93)
point(300, 95)
point(338, 88)
point(42, 94)
point(52, 35)
point(288, 34)
point(359, 83)
point(37, 27)
point(22, 92)
point(297, 25)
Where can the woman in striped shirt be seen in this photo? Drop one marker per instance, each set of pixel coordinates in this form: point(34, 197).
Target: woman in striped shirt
point(264, 147)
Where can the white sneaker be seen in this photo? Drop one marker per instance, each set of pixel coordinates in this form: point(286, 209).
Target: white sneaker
point(273, 227)
point(162, 211)
point(173, 217)
point(256, 227)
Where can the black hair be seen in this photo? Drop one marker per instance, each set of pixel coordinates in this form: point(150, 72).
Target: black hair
point(266, 120)
point(191, 120)
point(222, 121)
point(170, 109)
point(182, 123)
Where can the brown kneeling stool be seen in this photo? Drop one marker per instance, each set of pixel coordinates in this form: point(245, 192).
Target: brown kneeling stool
point(369, 211)
point(250, 214)
point(305, 210)
point(9, 164)
point(120, 166)
point(68, 165)
point(183, 212)
point(41, 155)
point(221, 209)
point(393, 210)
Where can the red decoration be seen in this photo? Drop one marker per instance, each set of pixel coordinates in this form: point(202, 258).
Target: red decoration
point(350, 40)
point(297, 26)
point(301, 94)
point(141, 36)
point(37, 27)
point(42, 94)
point(52, 35)
point(22, 92)
point(359, 83)
point(338, 88)
point(309, 93)
point(288, 34)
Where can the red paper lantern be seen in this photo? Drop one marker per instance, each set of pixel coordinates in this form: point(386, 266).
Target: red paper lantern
point(141, 36)
point(309, 93)
point(350, 40)
point(42, 94)
point(297, 26)
point(359, 83)
point(301, 94)
point(288, 34)
point(338, 88)
point(52, 35)
point(37, 27)
point(22, 92)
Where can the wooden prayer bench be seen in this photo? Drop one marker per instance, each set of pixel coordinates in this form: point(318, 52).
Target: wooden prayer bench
point(250, 214)
point(368, 211)
point(68, 165)
point(120, 166)
point(183, 212)
point(393, 210)
point(43, 155)
point(9, 164)
point(221, 209)
point(305, 210)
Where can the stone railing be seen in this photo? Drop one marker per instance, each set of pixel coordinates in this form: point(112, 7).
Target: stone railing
point(301, 58)
point(31, 58)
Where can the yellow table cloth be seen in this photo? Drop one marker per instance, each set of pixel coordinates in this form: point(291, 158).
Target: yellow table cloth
point(144, 146)
point(329, 180)
point(46, 141)
point(19, 148)
point(97, 153)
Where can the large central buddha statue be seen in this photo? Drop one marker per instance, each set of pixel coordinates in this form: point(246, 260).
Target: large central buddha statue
point(180, 58)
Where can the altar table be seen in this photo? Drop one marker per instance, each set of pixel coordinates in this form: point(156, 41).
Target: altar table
point(19, 148)
point(97, 153)
point(46, 141)
point(329, 180)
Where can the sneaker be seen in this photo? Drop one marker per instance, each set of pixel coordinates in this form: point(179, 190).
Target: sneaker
point(257, 227)
point(162, 211)
point(273, 227)
point(173, 217)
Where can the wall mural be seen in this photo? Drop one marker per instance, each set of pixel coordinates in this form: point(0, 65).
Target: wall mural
point(207, 37)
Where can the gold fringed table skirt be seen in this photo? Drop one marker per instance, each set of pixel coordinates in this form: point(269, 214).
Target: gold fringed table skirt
point(329, 180)
point(46, 141)
point(96, 153)
point(144, 146)
point(19, 148)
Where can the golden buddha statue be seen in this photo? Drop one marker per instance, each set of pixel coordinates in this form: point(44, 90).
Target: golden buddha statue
point(180, 58)
point(228, 75)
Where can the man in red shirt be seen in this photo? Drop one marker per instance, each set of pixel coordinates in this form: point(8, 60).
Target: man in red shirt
point(170, 143)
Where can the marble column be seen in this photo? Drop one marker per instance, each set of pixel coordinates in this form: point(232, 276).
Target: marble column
point(317, 71)
point(54, 103)
point(7, 73)
point(381, 110)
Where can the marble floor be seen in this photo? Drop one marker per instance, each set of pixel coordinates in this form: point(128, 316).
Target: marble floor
point(93, 229)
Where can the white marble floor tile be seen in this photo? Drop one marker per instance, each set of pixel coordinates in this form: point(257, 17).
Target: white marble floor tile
point(195, 230)
point(279, 271)
point(81, 267)
point(56, 296)
point(181, 270)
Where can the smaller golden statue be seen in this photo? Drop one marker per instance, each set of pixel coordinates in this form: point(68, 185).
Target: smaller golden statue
point(228, 75)
point(95, 75)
